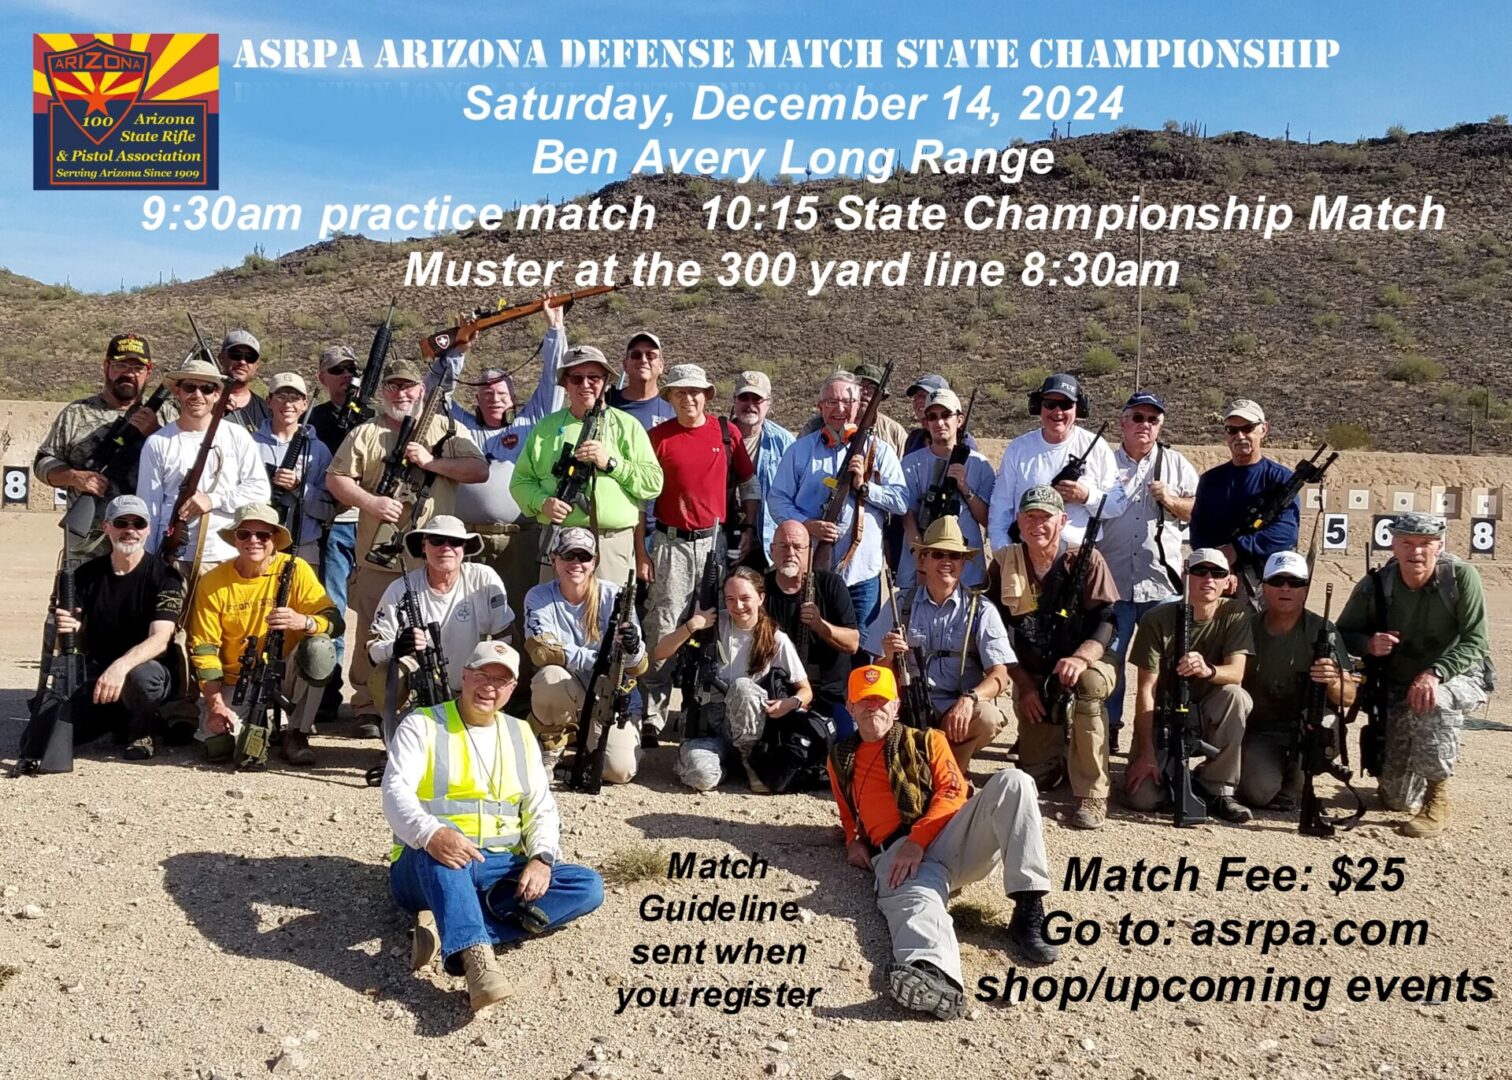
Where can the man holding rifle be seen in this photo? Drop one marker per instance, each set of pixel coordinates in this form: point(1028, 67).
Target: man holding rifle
point(449, 456)
point(945, 475)
point(1221, 641)
point(74, 454)
point(301, 480)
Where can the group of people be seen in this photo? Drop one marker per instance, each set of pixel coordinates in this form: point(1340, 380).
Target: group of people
point(890, 641)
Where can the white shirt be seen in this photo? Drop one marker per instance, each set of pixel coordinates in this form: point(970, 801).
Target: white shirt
point(1029, 461)
point(1133, 543)
point(735, 651)
point(234, 477)
point(476, 608)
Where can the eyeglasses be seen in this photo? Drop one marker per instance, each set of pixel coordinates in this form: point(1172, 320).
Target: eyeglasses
point(445, 541)
point(583, 378)
point(936, 553)
point(749, 399)
point(1207, 572)
point(134, 523)
point(343, 369)
point(643, 354)
point(287, 395)
point(831, 402)
point(492, 680)
point(575, 556)
point(1238, 429)
point(1286, 581)
point(937, 417)
point(1142, 418)
point(203, 389)
point(1057, 404)
point(260, 535)
point(400, 386)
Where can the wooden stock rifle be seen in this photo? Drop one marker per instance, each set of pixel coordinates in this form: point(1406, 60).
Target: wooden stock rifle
point(834, 506)
point(177, 534)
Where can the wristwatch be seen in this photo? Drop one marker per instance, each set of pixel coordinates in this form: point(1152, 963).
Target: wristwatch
point(544, 857)
point(863, 490)
point(309, 624)
point(972, 694)
point(612, 465)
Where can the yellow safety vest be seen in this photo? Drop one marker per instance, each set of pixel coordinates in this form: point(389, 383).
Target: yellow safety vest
point(455, 787)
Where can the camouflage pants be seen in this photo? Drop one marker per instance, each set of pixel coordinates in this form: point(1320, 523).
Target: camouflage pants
point(738, 721)
point(1420, 748)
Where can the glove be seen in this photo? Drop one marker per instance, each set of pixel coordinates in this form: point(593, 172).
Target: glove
point(629, 638)
point(404, 644)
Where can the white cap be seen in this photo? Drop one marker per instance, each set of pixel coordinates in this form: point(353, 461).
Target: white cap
point(1289, 563)
point(1208, 557)
point(494, 652)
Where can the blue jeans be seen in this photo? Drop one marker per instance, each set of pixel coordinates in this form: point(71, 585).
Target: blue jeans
point(866, 598)
point(1127, 613)
point(418, 882)
point(336, 560)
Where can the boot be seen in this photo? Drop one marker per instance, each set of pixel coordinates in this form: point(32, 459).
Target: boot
point(922, 987)
point(1433, 818)
point(486, 984)
point(1026, 930)
point(296, 748)
point(427, 942)
point(1090, 814)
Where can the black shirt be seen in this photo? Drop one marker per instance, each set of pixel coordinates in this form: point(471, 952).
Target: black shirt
point(323, 419)
point(251, 416)
point(119, 608)
point(828, 667)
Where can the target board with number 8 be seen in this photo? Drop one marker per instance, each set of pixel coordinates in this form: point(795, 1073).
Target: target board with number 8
point(17, 486)
point(1483, 536)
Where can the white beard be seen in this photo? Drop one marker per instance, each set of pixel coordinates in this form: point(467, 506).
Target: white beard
point(399, 412)
point(129, 548)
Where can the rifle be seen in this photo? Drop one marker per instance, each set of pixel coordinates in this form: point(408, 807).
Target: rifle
point(914, 709)
point(1063, 628)
point(1272, 503)
point(358, 405)
point(430, 683)
point(484, 319)
point(177, 534)
point(824, 550)
point(943, 499)
point(608, 700)
point(697, 663)
point(1312, 743)
point(803, 637)
point(408, 483)
point(113, 455)
point(1076, 466)
point(1177, 736)
point(47, 742)
point(1375, 690)
point(285, 502)
point(574, 478)
point(262, 689)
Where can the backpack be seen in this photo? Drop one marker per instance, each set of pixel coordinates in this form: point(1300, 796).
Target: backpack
point(792, 751)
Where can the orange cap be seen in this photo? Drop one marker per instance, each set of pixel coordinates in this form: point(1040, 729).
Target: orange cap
point(874, 680)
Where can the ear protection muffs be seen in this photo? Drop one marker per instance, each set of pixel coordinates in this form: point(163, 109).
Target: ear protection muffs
point(831, 440)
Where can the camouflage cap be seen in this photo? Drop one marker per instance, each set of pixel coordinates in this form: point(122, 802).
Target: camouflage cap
point(871, 373)
point(404, 371)
point(1417, 523)
point(336, 355)
point(1042, 497)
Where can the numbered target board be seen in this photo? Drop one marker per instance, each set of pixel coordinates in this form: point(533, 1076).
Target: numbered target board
point(1335, 532)
point(17, 485)
point(1483, 537)
point(1380, 532)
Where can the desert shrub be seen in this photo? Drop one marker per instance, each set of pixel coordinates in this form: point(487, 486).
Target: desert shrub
point(1327, 320)
point(1346, 436)
point(1099, 360)
point(1414, 369)
point(1393, 296)
point(1243, 344)
point(1396, 133)
point(1266, 297)
point(1095, 332)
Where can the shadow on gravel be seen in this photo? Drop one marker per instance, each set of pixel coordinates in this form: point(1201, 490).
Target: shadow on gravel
point(13, 717)
point(346, 906)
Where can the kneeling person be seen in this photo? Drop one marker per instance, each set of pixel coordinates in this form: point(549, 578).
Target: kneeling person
point(565, 624)
point(476, 830)
point(907, 818)
point(234, 608)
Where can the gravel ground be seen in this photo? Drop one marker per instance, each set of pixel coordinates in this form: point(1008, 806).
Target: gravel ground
point(174, 920)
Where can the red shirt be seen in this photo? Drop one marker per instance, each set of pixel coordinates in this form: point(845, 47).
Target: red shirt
point(694, 481)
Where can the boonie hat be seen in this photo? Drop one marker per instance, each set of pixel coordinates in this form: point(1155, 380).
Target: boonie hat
point(1417, 523)
point(575, 538)
point(494, 652)
point(930, 381)
point(288, 380)
point(1285, 563)
point(263, 514)
point(1245, 409)
point(197, 369)
point(873, 680)
point(690, 376)
point(754, 382)
point(127, 504)
point(1208, 557)
point(241, 338)
point(129, 347)
point(1042, 497)
point(442, 525)
point(944, 534)
point(579, 355)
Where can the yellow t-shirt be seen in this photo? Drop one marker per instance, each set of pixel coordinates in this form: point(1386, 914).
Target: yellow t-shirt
point(227, 608)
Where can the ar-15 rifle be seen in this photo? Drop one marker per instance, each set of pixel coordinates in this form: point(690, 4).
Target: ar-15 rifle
point(696, 673)
point(286, 501)
point(834, 506)
point(113, 455)
point(943, 499)
point(608, 701)
point(1177, 734)
point(358, 405)
point(574, 478)
point(914, 709)
point(47, 742)
point(261, 688)
point(483, 319)
point(1062, 628)
point(430, 683)
point(1271, 504)
point(1076, 466)
point(1313, 745)
point(1374, 695)
point(177, 534)
point(407, 483)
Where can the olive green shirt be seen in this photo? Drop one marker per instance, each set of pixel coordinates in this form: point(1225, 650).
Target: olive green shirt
point(1448, 640)
point(1277, 675)
point(1225, 634)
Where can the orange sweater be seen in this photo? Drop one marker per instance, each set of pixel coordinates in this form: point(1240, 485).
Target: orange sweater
point(874, 797)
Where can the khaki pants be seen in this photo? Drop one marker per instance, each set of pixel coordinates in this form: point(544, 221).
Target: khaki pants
point(367, 590)
point(1222, 715)
point(999, 825)
point(678, 566)
point(303, 700)
point(1045, 749)
point(556, 703)
point(616, 557)
point(987, 719)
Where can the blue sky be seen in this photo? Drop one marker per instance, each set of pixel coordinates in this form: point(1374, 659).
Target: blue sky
point(373, 135)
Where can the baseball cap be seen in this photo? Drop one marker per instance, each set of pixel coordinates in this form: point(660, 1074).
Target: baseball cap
point(336, 355)
point(643, 335)
point(943, 396)
point(287, 380)
point(126, 504)
point(575, 538)
point(1063, 384)
point(1144, 397)
point(404, 371)
point(1245, 409)
point(1417, 523)
point(242, 338)
point(1288, 563)
point(871, 373)
point(927, 382)
point(1042, 497)
point(873, 680)
point(494, 652)
point(1207, 557)
point(754, 382)
point(129, 347)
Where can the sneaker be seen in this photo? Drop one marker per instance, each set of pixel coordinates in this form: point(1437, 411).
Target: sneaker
point(140, 750)
point(1026, 930)
point(550, 759)
point(1090, 814)
point(427, 942)
point(1229, 809)
point(922, 987)
point(486, 984)
point(296, 748)
point(369, 726)
point(757, 786)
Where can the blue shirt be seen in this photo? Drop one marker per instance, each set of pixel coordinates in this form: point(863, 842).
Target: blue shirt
point(770, 446)
point(919, 470)
point(939, 631)
point(550, 616)
point(805, 480)
point(1224, 492)
point(318, 504)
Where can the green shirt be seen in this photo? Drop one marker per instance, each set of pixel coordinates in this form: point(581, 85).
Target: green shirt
point(1449, 641)
point(1222, 636)
point(1276, 676)
point(617, 496)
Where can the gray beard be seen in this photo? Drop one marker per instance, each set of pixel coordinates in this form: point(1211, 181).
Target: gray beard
point(399, 412)
point(123, 548)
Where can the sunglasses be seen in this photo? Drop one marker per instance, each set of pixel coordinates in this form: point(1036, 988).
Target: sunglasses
point(261, 535)
point(643, 354)
point(1286, 581)
point(954, 556)
point(445, 541)
point(135, 523)
point(937, 417)
point(343, 369)
point(242, 356)
point(749, 399)
point(1057, 404)
point(584, 379)
point(203, 389)
point(1238, 429)
point(1207, 572)
point(1141, 418)
point(575, 556)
